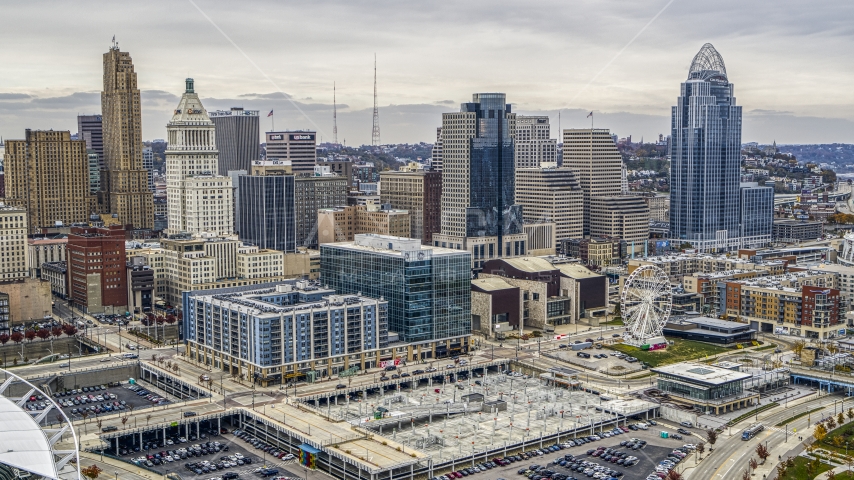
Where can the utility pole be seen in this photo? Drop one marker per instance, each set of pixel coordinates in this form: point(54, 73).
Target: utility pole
point(375, 134)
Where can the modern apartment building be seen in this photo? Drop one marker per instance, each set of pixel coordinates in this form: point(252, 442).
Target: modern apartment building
point(280, 332)
point(267, 213)
point(756, 212)
point(298, 146)
point(428, 288)
point(313, 194)
point(342, 224)
point(199, 200)
point(479, 210)
point(419, 192)
point(548, 193)
point(96, 269)
point(47, 173)
point(533, 143)
point(125, 190)
point(791, 230)
point(13, 243)
point(238, 134)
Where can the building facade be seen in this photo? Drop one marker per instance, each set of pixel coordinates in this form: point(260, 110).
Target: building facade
point(124, 182)
point(436, 155)
point(44, 250)
point(148, 165)
point(313, 194)
point(548, 193)
point(428, 288)
point(419, 192)
point(140, 282)
point(792, 231)
point(199, 200)
point(90, 129)
point(533, 143)
point(298, 146)
point(593, 157)
point(280, 332)
point(56, 274)
point(479, 210)
point(342, 224)
point(96, 269)
point(238, 134)
point(625, 217)
point(47, 173)
point(267, 215)
point(705, 154)
point(13, 244)
point(756, 207)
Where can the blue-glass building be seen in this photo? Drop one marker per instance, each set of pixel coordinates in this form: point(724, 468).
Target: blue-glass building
point(706, 157)
point(266, 208)
point(427, 288)
point(479, 210)
point(757, 214)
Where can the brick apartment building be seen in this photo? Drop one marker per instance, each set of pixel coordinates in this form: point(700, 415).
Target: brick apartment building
point(97, 276)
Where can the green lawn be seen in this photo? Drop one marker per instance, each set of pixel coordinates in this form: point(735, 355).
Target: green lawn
point(845, 432)
point(613, 322)
point(799, 472)
point(680, 351)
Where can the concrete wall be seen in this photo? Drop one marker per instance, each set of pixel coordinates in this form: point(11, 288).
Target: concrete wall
point(28, 300)
point(94, 376)
point(38, 348)
point(677, 415)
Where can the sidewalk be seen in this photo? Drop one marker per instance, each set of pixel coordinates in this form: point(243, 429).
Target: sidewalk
point(115, 469)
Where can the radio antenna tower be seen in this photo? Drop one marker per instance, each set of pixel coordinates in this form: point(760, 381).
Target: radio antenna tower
point(375, 135)
point(334, 117)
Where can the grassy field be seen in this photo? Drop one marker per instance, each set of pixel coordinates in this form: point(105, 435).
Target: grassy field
point(680, 351)
point(799, 472)
point(845, 433)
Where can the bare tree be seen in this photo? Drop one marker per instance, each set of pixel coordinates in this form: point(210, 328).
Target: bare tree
point(745, 475)
point(673, 475)
point(711, 437)
point(762, 452)
point(752, 464)
point(701, 447)
point(147, 419)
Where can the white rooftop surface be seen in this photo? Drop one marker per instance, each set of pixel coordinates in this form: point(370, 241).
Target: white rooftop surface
point(23, 444)
point(702, 373)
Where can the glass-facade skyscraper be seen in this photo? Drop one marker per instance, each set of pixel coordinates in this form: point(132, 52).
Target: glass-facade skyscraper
point(266, 211)
point(427, 288)
point(706, 157)
point(479, 211)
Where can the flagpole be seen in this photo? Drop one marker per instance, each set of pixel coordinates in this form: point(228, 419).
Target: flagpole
point(273, 120)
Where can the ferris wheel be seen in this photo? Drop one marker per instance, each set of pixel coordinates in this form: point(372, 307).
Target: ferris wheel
point(645, 303)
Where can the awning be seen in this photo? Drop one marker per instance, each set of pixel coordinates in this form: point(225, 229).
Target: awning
point(308, 448)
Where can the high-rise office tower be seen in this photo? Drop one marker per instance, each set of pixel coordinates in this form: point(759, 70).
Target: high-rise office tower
point(705, 156)
point(436, 161)
point(237, 136)
point(90, 129)
point(551, 194)
point(756, 205)
point(148, 164)
point(199, 199)
point(266, 209)
point(419, 192)
point(596, 162)
point(48, 174)
point(479, 212)
point(13, 243)
point(124, 182)
point(533, 145)
point(297, 146)
point(94, 172)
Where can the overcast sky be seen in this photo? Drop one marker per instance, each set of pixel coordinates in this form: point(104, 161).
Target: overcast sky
point(790, 61)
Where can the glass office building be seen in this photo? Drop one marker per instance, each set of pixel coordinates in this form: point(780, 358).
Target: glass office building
point(757, 214)
point(266, 211)
point(427, 288)
point(706, 157)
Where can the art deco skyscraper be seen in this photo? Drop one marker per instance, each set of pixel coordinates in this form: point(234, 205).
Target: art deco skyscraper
point(479, 211)
point(533, 143)
point(124, 183)
point(238, 137)
point(705, 157)
point(198, 199)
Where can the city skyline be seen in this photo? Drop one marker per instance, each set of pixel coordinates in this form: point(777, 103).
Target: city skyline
point(571, 60)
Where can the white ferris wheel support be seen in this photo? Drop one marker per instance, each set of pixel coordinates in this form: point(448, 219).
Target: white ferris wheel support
point(645, 304)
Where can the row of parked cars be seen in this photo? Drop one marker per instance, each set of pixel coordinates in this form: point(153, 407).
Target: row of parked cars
point(183, 453)
point(229, 461)
point(574, 465)
point(152, 397)
point(265, 447)
point(673, 458)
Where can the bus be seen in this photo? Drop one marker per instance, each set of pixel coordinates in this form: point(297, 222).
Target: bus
point(751, 431)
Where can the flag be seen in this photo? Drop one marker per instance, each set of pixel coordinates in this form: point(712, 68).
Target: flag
point(270, 114)
point(589, 114)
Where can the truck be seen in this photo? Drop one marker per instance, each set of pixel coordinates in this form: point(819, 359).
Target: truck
point(752, 431)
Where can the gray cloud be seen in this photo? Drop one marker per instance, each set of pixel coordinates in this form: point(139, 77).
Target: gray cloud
point(14, 96)
point(791, 57)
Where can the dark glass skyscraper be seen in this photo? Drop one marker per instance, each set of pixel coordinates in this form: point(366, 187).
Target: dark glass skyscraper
point(705, 157)
point(266, 208)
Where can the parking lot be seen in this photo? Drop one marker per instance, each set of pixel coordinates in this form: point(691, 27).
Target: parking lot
point(214, 456)
point(648, 456)
point(98, 400)
point(609, 361)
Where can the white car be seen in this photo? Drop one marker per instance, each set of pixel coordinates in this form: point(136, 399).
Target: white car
point(289, 456)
